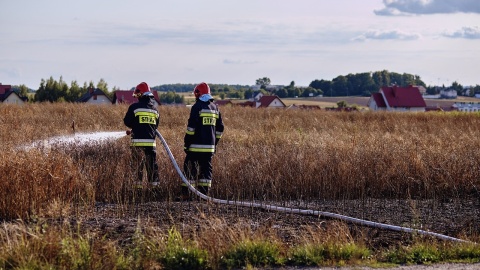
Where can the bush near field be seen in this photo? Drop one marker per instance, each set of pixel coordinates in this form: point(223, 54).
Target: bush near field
point(265, 154)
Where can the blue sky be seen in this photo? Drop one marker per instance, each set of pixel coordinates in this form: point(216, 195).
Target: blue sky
point(236, 41)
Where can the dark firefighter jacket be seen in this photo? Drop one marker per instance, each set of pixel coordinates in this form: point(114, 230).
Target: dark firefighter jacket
point(143, 118)
point(204, 128)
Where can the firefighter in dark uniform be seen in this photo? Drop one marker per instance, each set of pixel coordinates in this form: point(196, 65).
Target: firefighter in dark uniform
point(204, 130)
point(143, 119)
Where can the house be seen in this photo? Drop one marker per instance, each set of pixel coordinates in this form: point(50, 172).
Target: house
point(423, 90)
point(270, 102)
point(8, 95)
point(395, 98)
point(448, 93)
point(126, 97)
point(223, 102)
point(94, 96)
point(256, 95)
point(467, 106)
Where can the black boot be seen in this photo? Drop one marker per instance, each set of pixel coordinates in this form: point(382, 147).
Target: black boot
point(185, 195)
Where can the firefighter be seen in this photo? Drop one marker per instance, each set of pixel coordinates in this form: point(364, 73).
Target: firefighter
point(143, 118)
point(204, 130)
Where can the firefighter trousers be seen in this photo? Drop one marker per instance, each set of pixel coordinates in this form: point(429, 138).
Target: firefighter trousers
point(198, 170)
point(145, 157)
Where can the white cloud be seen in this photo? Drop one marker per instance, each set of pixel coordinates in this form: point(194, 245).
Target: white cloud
point(236, 41)
point(386, 35)
point(465, 32)
point(406, 7)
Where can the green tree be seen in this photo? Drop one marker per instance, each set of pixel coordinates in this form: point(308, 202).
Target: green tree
point(248, 93)
point(263, 82)
point(340, 86)
point(457, 87)
point(381, 78)
point(75, 92)
point(171, 98)
point(342, 104)
point(23, 90)
point(323, 85)
point(102, 85)
point(310, 91)
point(282, 93)
point(476, 89)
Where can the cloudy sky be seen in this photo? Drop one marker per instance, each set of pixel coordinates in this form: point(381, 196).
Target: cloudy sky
point(236, 41)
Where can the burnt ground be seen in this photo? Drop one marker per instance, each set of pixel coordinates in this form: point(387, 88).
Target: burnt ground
point(455, 218)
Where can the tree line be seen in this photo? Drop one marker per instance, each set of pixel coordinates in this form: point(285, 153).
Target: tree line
point(359, 84)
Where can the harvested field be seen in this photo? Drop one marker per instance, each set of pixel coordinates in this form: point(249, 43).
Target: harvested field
point(417, 170)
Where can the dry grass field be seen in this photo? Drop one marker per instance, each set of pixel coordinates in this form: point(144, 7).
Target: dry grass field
point(420, 170)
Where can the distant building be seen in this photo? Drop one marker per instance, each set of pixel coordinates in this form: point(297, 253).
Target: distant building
point(270, 102)
point(448, 93)
point(396, 98)
point(263, 102)
point(257, 96)
point(94, 96)
point(8, 95)
point(467, 106)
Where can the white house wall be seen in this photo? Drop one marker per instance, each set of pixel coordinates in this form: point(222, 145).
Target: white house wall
point(101, 99)
point(13, 99)
point(276, 104)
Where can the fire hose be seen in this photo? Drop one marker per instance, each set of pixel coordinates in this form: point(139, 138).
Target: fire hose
point(301, 211)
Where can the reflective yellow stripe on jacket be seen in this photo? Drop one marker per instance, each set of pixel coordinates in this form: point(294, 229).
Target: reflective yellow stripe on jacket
point(190, 131)
point(143, 142)
point(209, 113)
point(203, 148)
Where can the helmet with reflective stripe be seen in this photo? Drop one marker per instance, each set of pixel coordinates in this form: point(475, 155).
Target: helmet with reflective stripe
point(201, 89)
point(142, 90)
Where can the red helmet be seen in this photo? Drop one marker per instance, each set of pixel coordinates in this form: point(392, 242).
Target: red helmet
point(141, 89)
point(201, 89)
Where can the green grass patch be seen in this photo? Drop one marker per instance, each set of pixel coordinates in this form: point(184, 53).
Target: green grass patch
point(258, 253)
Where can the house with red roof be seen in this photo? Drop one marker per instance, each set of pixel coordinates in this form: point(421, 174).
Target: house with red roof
point(126, 97)
point(270, 102)
point(8, 95)
point(395, 98)
point(263, 102)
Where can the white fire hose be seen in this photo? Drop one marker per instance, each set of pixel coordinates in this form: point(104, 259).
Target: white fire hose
point(302, 211)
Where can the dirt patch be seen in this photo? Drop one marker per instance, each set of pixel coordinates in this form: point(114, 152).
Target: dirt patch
point(453, 218)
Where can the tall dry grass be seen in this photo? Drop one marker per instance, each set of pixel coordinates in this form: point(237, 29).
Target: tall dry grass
point(271, 155)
